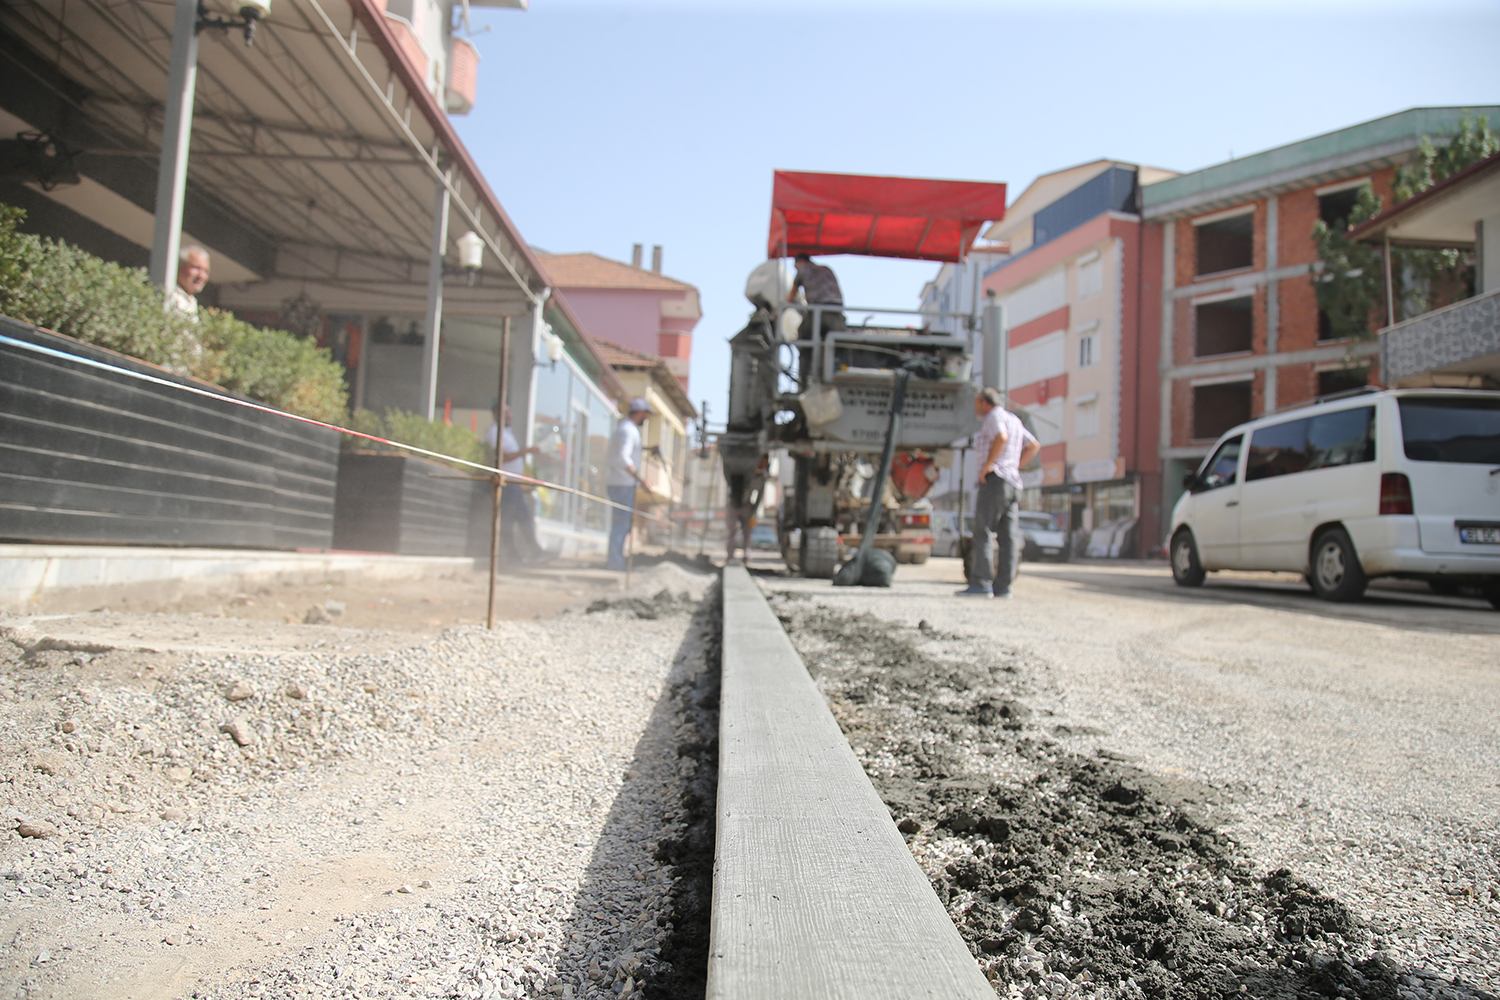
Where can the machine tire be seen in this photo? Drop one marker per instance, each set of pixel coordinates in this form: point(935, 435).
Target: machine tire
point(1335, 572)
point(1187, 571)
point(820, 553)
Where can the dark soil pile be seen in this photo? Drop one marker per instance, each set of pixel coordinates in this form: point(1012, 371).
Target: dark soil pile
point(1072, 875)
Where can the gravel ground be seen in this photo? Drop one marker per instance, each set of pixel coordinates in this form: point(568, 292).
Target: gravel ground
point(477, 815)
point(1122, 789)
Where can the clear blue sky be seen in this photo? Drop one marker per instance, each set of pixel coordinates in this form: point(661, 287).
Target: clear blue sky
point(602, 123)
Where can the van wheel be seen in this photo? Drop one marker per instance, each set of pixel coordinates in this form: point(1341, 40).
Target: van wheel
point(1186, 570)
point(1336, 574)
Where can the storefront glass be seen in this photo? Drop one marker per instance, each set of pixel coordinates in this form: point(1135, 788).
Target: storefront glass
point(601, 425)
point(550, 434)
point(1113, 502)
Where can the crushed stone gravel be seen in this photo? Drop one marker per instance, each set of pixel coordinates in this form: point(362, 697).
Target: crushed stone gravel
point(479, 815)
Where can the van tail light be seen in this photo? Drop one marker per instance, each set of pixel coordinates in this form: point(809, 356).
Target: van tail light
point(1395, 494)
point(916, 520)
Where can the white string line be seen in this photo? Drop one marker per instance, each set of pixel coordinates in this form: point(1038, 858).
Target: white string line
point(516, 477)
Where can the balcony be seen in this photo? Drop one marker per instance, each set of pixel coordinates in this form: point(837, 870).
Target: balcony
point(1451, 345)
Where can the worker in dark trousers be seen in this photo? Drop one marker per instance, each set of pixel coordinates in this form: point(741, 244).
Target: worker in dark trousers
point(1006, 445)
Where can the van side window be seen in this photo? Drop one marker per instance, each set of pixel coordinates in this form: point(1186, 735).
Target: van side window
point(1223, 467)
point(1278, 450)
point(1344, 437)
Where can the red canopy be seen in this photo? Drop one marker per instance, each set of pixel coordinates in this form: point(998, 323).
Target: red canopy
point(879, 216)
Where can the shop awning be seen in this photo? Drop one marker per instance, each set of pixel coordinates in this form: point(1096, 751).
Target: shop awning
point(879, 216)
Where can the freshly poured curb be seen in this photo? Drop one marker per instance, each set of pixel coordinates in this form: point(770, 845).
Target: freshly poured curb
point(815, 891)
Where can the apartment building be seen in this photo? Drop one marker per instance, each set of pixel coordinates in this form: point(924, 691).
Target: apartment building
point(1078, 363)
point(643, 310)
point(1241, 334)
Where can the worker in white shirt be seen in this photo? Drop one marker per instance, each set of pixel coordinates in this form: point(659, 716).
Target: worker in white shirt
point(624, 476)
point(517, 523)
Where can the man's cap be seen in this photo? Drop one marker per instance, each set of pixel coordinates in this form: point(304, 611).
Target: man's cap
point(638, 404)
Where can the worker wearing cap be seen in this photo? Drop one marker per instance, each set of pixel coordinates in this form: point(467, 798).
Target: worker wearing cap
point(624, 476)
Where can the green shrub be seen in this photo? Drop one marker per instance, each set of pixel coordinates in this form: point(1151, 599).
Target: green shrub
point(409, 428)
point(59, 287)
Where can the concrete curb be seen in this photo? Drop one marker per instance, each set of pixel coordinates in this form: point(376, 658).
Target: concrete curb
point(815, 891)
point(39, 578)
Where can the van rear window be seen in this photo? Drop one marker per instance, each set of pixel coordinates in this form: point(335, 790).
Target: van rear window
point(1451, 429)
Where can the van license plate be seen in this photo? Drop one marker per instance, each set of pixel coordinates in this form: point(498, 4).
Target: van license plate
point(1479, 536)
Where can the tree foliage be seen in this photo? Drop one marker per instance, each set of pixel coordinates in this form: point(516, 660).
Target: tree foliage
point(57, 286)
point(1351, 285)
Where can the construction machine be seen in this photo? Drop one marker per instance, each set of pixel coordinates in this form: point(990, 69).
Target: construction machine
point(805, 380)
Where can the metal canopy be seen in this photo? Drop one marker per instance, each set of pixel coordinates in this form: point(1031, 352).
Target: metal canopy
point(879, 216)
point(319, 148)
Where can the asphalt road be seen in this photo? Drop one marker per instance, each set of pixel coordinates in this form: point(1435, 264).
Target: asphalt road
point(1354, 744)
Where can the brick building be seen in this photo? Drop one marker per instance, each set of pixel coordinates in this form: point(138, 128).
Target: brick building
point(1241, 333)
point(1082, 361)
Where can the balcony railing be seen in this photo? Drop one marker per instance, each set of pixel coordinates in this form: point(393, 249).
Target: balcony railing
point(1456, 339)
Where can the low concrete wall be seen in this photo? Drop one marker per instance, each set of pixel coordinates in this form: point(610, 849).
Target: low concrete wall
point(43, 578)
point(815, 891)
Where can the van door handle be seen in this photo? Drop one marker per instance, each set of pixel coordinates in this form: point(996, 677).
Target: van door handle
point(1232, 503)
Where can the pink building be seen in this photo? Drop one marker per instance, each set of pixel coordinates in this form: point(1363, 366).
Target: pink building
point(629, 305)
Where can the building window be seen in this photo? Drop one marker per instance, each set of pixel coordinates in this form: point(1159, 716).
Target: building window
point(1090, 278)
point(1223, 327)
point(1086, 418)
point(1216, 408)
point(1335, 206)
point(1342, 379)
point(1086, 356)
point(1226, 244)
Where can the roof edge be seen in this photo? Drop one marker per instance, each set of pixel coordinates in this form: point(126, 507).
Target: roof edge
point(1373, 227)
point(374, 21)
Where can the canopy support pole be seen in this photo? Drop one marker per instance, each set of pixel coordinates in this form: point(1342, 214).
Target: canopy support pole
point(433, 321)
point(171, 178)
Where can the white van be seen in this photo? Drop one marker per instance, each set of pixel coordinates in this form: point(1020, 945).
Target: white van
point(1396, 482)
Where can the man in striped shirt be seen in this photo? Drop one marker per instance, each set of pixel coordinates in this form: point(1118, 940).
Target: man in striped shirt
point(1006, 445)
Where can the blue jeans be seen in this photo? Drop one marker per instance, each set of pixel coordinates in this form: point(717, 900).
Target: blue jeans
point(619, 526)
point(995, 516)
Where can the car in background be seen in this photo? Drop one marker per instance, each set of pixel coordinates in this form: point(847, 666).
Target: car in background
point(1394, 482)
point(1043, 536)
point(763, 536)
point(945, 533)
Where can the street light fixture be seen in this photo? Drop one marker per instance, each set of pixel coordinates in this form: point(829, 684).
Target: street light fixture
point(471, 254)
point(251, 13)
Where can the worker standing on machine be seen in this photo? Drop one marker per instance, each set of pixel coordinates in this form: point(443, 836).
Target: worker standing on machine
point(820, 288)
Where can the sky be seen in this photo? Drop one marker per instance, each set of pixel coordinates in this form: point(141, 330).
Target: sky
point(604, 123)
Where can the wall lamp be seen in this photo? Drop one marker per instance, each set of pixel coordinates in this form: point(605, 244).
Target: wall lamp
point(251, 13)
